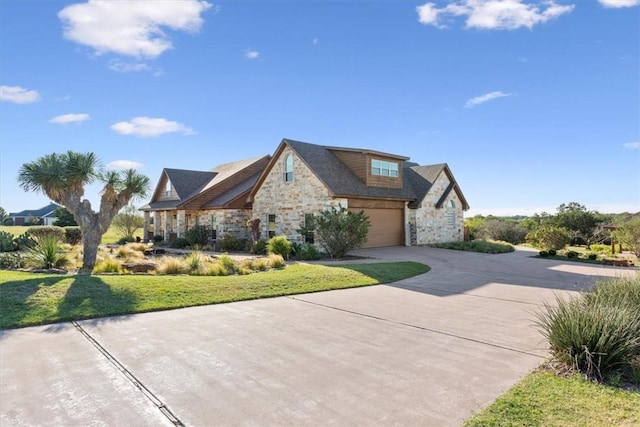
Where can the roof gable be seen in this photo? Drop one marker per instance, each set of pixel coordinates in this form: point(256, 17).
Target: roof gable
point(43, 212)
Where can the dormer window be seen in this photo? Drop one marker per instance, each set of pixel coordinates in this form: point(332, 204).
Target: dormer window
point(384, 168)
point(167, 188)
point(288, 168)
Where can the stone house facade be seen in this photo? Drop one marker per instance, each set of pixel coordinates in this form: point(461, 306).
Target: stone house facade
point(407, 204)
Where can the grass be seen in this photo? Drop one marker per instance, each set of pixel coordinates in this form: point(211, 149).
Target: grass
point(111, 236)
point(476, 246)
point(547, 400)
point(33, 299)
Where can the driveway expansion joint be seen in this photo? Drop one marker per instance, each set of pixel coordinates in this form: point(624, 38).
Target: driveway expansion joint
point(409, 325)
point(162, 407)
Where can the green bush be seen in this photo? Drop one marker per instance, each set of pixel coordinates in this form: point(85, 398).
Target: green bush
point(601, 249)
point(24, 241)
point(279, 245)
point(126, 239)
point(72, 235)
point(339, 230)
point(543, 254)
point(11, 260)
point(592, 257)
point(260, 248)
point(226, 263)
point(198, 236)
point(47, 254)
point(230, 243)
point(179, 243)
point(157, 238)
point(598, 332)
point(308, 252)
point(41, 233)
point(572, 254)
point(549, 236)
point(476, 246)
point(7, 244)
point(552, 252)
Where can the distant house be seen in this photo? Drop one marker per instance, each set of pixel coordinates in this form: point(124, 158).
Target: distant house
point(407, 204)
point(45, 215)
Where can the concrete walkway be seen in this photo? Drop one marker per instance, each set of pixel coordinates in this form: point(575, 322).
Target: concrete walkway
point(428, 351)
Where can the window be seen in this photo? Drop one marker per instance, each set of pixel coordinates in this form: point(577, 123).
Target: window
point(288, 168)
point(451, 214)
point(384, 168)
point(271, 225)
point(167, 188)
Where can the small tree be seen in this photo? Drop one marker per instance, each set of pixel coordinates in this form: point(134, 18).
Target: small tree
point(128, 221)
point(549, 237)
point(628, 233)
point(340, 230)
point(3, 215)
point(64, 218)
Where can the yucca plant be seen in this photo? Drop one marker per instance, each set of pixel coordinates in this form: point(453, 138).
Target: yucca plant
point(47, 254)
point(197, 263)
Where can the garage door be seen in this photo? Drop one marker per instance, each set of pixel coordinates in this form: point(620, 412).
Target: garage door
point(387, 227)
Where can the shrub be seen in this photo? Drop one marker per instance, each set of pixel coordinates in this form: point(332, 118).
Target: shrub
point(598, 331)
point(108, 265)
point(260, 248)
point(126, 239)
point(24, 241)
point(40, 233)
point(543, 254)
point(46, 254)
point(230, 243)
point(226, 264)
point(171, 265)
point(12, 260)
point(197, 263)
point(601, 249)
point(549, 236)
point(308, 252)
point(128, 253)
point(7, 243)
point(279, 245)
point(72, 235)
point(199, 235)
point(552, 252)
point(179, 243)
point(476, 246)
point(592, 257)
point(340, 230)
point(503, 230)
point(157, 238)
point(261, 264)
point(276, 261)
point(572, 254)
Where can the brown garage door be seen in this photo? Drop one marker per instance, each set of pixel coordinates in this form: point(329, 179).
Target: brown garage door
point(387, 227)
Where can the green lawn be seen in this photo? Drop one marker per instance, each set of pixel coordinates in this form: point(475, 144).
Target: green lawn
point(547, 400)
point(32, 299)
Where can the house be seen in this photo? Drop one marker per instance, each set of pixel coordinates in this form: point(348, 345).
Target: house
point(407, 204)
point(216, 198)
point(44, 215)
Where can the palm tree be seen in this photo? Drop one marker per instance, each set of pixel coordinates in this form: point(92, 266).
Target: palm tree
point(62, 178)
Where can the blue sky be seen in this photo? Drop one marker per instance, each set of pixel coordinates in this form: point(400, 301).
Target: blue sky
point(531, 103)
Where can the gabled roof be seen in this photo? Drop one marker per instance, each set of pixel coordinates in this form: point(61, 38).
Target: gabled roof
point(207, 188)
point(342, 182)
point(43, 212)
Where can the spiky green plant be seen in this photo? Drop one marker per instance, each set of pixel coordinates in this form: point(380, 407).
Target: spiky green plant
point(47, 254)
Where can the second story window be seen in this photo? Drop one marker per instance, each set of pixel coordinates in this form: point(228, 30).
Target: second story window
point(384, 168)
point(167, 188)
point(288, 168)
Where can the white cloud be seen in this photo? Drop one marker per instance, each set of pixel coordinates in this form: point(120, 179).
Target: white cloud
point(315, 42)
point(632, 145)
point(493, 14)
point(69, 118)
point(124, 164)
point(18, 95)
point(485, 98)
point(131, 28)
point(251, 54)
point(619, 3)
point(149, 126)
point(128, 67)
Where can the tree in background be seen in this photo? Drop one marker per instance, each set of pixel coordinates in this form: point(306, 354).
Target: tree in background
point(580, 222)
point(505, 230)
point(628, 233)
point(128, 221)
point(62, 177)
point(3, 215)
point(339, 230)
point(549, 237)
point(64, 218)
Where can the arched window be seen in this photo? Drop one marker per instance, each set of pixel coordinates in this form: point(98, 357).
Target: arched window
point(288, 168)
point(451, 214)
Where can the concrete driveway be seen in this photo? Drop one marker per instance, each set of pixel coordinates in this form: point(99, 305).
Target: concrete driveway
point(429, 351)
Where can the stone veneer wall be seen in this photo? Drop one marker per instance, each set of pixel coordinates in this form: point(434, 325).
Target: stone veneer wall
point(232, 221)
point(290, 201)
point(431, 224)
